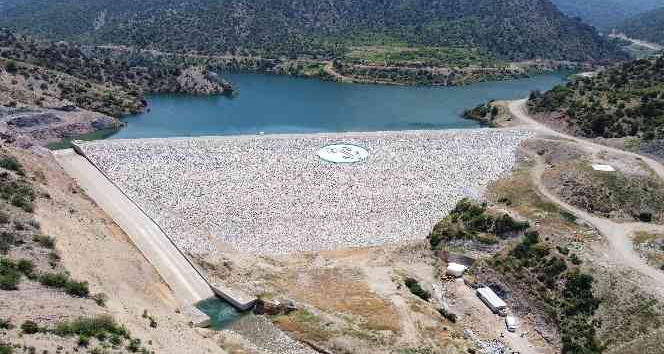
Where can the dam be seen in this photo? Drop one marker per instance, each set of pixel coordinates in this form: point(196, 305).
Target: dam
point(275, 195)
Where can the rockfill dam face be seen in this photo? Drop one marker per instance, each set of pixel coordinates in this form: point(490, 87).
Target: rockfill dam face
point(275, 195)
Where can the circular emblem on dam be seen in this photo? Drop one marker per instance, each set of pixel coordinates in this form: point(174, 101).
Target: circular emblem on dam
point(343, 153)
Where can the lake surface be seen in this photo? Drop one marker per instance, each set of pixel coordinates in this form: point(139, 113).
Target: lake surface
point(282, 104)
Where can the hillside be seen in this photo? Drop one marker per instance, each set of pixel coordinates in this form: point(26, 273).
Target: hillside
point(50, 91)
point(512, 30)
point(648, 26)
point(606, 14)
point(625, 101)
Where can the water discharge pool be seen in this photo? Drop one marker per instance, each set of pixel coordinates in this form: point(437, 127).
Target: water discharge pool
point(221, 313)
point(282, 104)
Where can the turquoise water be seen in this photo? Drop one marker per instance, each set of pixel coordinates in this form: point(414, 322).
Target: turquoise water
point(222, 314)
point(282, 104)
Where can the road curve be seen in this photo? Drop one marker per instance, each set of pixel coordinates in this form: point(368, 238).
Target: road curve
point(618, 235)
point(188, 285)
point(520, 111)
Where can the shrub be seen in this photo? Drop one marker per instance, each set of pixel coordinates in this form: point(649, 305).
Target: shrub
point(10, 163)
point(4, 218)
point(416, 289)
point(54, 280)
point(100, 299)
point(62, 281)
point(91, 327)
point(448, 315)
point(470, 221)
point(10, 276)
point(6, 324)
point(645, 217)
point(44, 241)
point(6, 349)
point(77, 288)
point(134, 345)
point(83, 341)
point(575, 259)
point(26, 266)
point(116, 339)
point(563, 250)
point(11, 67)
point(30, 327)
point(7, 240)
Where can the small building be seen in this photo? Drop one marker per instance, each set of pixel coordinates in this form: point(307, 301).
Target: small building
point(496, 304)
point(603, 168)
point(455, 269)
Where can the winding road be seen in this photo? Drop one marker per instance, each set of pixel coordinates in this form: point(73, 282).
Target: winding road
point(618, 235)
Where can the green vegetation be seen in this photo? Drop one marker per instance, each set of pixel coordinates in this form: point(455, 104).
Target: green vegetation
point(18, 192)
point(484, 113)
point(417, 290)
point(566, 292)
point(44, 241)
point(63, 281)
point(91, 327)
point(15, 189)
point(6, 324)
point(11, 272)
point(514, 30)
point(419, 56)
point(10, 163)
point(6, 349)
point(101, 327)
point(7, 240)
point(624, 101)
point(448, 315)
point(471, 221)
point(30, 327)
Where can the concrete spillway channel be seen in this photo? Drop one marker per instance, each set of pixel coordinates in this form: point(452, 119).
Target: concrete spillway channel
point(188, 284)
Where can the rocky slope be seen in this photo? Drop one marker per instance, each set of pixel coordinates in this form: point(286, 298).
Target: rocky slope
point(50, 91)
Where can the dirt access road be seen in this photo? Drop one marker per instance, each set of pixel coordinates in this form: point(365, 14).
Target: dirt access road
point(618, 235)
point(649, 45)
point(187, 284)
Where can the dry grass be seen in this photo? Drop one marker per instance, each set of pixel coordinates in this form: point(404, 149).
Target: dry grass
point(520, 194)
point(644, 243)
point(344, 292)
point(304, 323)
point(645, 237)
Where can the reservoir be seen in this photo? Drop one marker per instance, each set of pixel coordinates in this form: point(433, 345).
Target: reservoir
point(282, 104)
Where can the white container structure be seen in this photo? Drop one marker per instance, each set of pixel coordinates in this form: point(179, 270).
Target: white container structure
point(511, 323)
point(496, 304)
point(604, 168)
point(455, 269)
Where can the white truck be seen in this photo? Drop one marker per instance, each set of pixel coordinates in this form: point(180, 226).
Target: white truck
point(496, 304)
point(511, 323)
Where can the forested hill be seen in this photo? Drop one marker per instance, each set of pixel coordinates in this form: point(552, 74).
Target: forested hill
point(624, 101)
point(506, 29)
point(648, 26)
point(606, 14)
